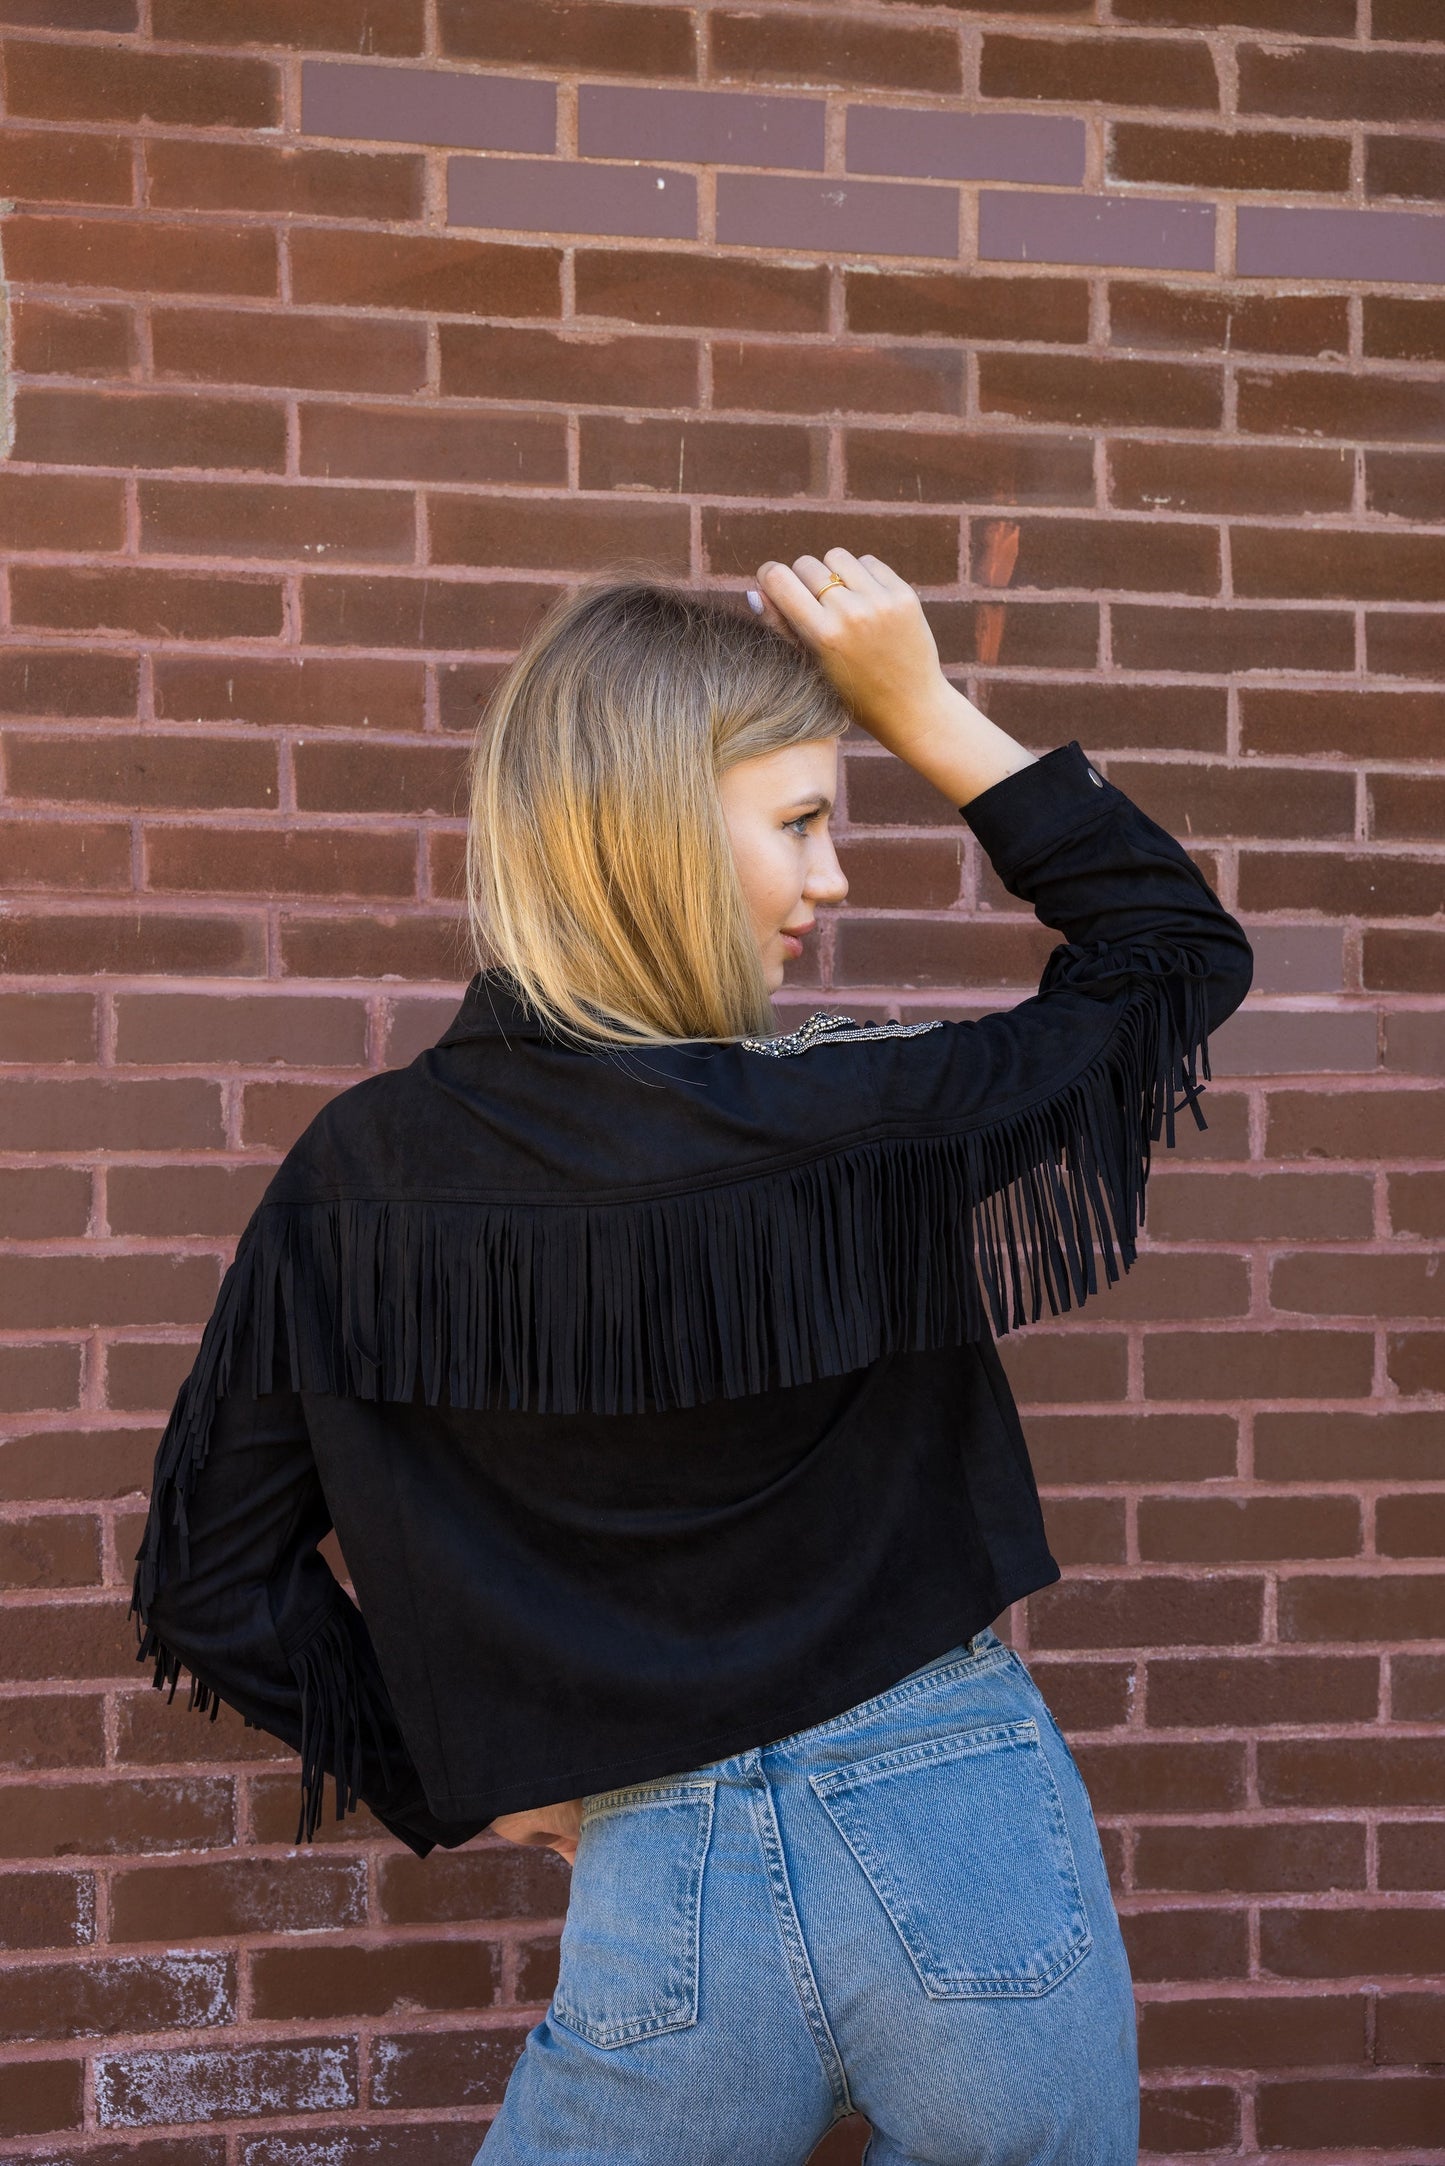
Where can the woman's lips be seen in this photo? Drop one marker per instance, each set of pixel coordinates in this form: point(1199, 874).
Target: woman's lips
point(792, 946)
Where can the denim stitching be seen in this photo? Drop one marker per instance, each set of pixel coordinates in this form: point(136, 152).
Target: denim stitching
point(795, 1949)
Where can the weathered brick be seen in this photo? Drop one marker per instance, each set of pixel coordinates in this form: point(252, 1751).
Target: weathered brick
point(37, 1377)
point(902, 466)
point(1339, 82)
point(1253, 2031)
point(773, 48)
point(319, 861)
point(594, 369)
point(444, 2067)
point(1150, 1611)
point(1232, 478)
point(1186, 319)
point(121, 1994)
point(1117, 70)
point(95, 338)
point(1103, 393)
point(112, 82)
point(435, 614)
point(84, 428)
point(50, 1550)
point(1258, 1365)
point(254, 1030)
point(1131, 555)
point(587, 34)
point(667, 287)
point(404, 444)
point(47, 166)
point(1338, 1943)
point(1162, 1775)
point(48, 1910)
point(423, 271)
point(264, 519)
point(220, 2083)
point(151, 604)
point(1377, 1605)
point(357, 26)
point(923, 546)
point(313, 352)
point(142, 254)
point(696, 457)
point(1253, 160)
point(344, 1979)
point(1284, 1855)
point(114, 1817)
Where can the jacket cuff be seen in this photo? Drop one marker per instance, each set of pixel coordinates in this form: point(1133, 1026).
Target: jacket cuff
point(1027, 814)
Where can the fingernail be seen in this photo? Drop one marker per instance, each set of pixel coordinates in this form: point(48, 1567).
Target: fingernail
point(755, 601)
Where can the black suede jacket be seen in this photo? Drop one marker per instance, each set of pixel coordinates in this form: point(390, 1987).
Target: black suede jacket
point(653, 1395)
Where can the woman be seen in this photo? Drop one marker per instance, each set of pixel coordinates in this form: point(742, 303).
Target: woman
point(643, 1362)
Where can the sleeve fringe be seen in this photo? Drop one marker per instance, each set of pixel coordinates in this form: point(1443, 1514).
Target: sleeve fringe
point(804, 1272)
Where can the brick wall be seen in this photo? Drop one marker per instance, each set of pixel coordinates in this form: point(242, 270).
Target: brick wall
point(343, 332)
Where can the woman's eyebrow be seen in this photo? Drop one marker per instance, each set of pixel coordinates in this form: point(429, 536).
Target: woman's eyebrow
point(809, 804)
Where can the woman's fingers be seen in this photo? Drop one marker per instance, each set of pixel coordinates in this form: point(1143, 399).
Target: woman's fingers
point(793, 600)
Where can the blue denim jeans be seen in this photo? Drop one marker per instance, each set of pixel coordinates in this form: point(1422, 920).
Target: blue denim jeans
point(901, 1912)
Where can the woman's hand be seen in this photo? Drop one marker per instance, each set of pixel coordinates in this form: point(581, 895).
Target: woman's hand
point(874, 644)
point(545, 1827)
point(871, 638)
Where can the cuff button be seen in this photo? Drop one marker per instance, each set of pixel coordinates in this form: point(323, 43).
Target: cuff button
point(1098, 780)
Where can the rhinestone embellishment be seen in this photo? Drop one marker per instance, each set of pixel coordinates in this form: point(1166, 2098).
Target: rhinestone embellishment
point(821, 1028)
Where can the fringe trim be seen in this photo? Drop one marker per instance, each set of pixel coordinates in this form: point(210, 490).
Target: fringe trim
point(807, 1272)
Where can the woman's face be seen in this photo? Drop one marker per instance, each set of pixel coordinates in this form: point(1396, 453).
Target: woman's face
point(777, 808)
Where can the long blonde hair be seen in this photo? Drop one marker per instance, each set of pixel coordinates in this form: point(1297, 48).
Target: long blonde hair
point(599, 872)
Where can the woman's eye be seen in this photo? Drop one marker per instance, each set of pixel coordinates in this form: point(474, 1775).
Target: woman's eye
point(801, 824)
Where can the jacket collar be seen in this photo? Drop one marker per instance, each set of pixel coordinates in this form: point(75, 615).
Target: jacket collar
point(493, 1008)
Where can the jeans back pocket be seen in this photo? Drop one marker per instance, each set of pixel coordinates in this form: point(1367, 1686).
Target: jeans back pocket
point(629, 1962)
point(964, 1840)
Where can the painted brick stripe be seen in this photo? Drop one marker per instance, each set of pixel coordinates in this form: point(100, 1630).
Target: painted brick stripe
point(713, 127)
point(1016, 226)
point(842, 217)
point(1404, 247)
point(427, 105)
point(965, 146)
point(536, 195)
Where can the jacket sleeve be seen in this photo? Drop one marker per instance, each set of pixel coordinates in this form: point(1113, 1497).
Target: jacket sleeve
point(231, 1585)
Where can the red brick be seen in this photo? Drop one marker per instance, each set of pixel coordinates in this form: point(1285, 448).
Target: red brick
point(1066, 1369)
point(148, 1734)
point(146, 1374)
point(48, 1910)
point(435, 614)
point(1196, 2117)
point(264, 519)
point(1200, 801)
point(696, 457)
point(1415, 20)
point(1104, 715)
point(111, 1818)
point(813, 381)
point(1184, 1944)
point(923, 548)
point(1363, 2111)
point(255, 1030)
point(36, 1201)
point(312, 352)
point(1013, 634)
point(1154, 1610)
point(125, 1993)
point(586, 34)
point(1346, 1284)
point(203, 1901)
point(1374, 886)
point(1117, 70)
point(219, 2083)
point(404, 947)
point(274, 1114)
point(537, 1969)
point(44, 166)
point(1339, 83)
point(273, 1798)
point(1408, 2027)
point(1258, 1365)
point(404, 444)
point(1321, 18)
point(1253, 2031)
point(1225, 641)
point(1068, 1448)
point(1186, 319)
point(43, 1730)
point(123, 83)
point(1377, 1605)
point(1347, 1446)
point(1234, 1530)
point(1346, 1124)
point(1128, 554)
point(141, 254)
point(1417, 1202)
point(47, 1028)
point(1335, 1943)
point(261, 177)
point(1253, 160)
point(1404, 327)
point(948, 304)
point(1087, 1530)
point(1227, 1691)
point(47, 1293)
point(94, 1114)
point(911, 466)
point(931, 952)
point(675, 287)
point(87, 428)
point(64, 854)
point(1412, 1855)
point(345, 26)
point(1321, 564)
point(292, 692)
point(50, 1550)
point(1359, 1771)
point(345, 1979)
point(337, 776)
point(1088, 1695)
point(38, 2097)
point(429, 271)
point(492, 1880)
point(1285, 1855)
point(1401, 961)
point(902, 874)
point(97, 339)
point(1330, 403)
point(35, 1377)
point(1229, 478)
point(60, 511)
point(590, 368)
point(1213, 1206)
point(573, 533)
point(142, 770)
point(47, 681)
point(778, 48)
point(1403, 485)
point(162, 1200)
point(243, 861)
point(55, 1463)
point(1105, 393)
point(1415, 1042)
point(443, 2067)
point(151, 604)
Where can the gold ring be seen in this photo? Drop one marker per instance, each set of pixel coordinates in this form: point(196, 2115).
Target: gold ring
point(834, 579)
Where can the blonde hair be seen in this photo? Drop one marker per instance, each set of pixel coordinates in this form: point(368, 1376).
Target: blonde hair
point(599, 871)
